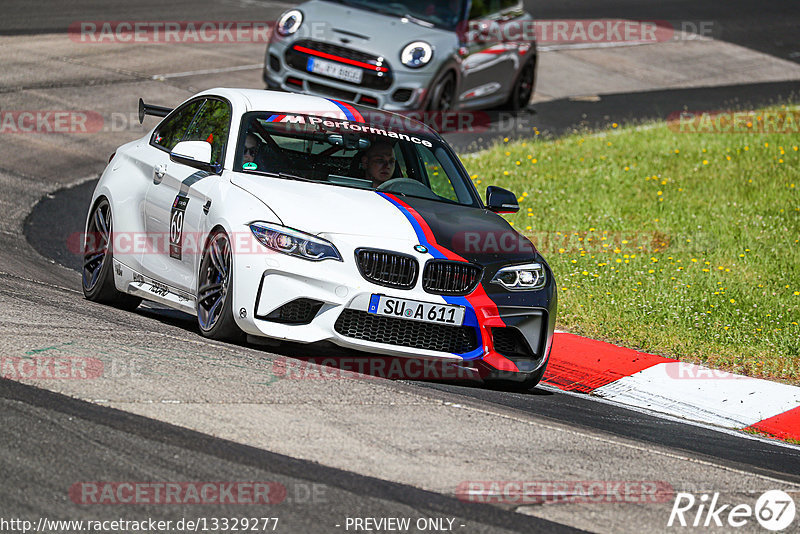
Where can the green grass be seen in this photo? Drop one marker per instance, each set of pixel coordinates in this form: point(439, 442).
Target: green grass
point(684, 245)
point(763, 434)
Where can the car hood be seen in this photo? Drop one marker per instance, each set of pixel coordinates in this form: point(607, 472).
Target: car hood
point(474, 234)
point(375, 33)
point(327, 209)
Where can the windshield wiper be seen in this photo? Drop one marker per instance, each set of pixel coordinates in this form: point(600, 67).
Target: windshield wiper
point(288, 176)
point(418, 22)
point(285, 176)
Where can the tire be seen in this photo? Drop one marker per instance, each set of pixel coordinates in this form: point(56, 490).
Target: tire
point(98, 260)
point(214, 283)
point(523, 87)
point(443, 95)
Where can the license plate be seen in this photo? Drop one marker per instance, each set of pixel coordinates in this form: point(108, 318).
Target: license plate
point(334, 70)
point(416, 311)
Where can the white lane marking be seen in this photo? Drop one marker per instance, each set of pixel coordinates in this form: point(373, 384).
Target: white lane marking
point(206, 71)
point(674, 419)
point(703, 394)
point(631, 446)
point(678, 38)
point(40, 283)
point(585, 46)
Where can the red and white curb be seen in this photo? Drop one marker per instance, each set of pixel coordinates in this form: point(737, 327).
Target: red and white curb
point(683, 390)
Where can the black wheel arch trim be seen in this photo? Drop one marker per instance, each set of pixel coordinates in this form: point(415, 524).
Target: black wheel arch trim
point(451, 66)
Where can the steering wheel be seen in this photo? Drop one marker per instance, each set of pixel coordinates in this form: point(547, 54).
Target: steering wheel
point(407, 186)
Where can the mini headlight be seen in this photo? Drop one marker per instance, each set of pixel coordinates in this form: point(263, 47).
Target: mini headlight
point(417, 54)
point(521, 277)
point(294, 243)
point(289, 22)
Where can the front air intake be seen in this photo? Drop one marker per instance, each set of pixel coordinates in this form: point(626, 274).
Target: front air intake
point(366, 326)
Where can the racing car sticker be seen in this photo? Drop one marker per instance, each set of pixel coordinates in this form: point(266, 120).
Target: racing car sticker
point(176, 226)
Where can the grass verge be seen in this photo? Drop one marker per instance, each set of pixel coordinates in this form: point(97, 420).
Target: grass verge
point(680, 244)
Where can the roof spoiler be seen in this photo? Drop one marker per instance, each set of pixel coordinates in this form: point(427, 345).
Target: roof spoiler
point(149, 109)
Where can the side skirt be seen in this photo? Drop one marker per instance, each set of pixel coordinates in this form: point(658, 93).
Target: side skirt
point(133, 283)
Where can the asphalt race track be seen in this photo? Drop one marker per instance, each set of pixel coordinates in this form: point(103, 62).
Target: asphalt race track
point(174, 407)
point(734, 449)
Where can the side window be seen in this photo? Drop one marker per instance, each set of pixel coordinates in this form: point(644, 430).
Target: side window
point(212, 125)
point(171, 131)
point(484, 8)
point(480, 9)
point(437, 176)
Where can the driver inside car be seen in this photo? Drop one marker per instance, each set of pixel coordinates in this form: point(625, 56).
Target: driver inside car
point(251, 147)
point(379, 163)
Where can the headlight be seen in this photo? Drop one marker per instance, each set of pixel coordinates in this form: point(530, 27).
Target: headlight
point(294, 243)
point(289, 22)
point(417, 54)
point(521, 277)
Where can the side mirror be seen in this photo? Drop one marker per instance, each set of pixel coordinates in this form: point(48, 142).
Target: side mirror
point(195, 154)
point(500, 200)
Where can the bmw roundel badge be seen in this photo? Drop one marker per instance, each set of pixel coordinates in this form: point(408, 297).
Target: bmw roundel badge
point(421, 249)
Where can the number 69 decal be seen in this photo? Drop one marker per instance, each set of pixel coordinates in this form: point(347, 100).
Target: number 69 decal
point(176, 227)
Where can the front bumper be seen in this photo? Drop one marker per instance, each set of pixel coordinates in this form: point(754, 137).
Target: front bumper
point(514, 335)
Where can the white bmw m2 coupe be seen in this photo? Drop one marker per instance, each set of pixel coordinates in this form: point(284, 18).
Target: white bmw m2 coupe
point(307, 219)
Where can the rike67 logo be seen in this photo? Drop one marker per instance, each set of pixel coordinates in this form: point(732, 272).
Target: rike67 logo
point(774, 510)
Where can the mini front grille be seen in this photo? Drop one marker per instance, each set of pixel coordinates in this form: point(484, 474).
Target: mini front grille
point(450, 277)
point(299, 311)
point(386, 268)
point(341, 51)
point(511, 343)
point(406, 333)
point(297, 57)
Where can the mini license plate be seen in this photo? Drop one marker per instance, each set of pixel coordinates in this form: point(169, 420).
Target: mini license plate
point(416, 311)
point(334, 70)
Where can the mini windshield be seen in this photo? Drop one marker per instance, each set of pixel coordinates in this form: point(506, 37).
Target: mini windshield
point(443, 13)
point(373, 156)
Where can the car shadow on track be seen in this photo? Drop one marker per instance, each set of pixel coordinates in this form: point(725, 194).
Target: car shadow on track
point(326, 361)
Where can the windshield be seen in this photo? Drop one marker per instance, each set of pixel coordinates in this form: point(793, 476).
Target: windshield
point(443, 13)
point(376, 155)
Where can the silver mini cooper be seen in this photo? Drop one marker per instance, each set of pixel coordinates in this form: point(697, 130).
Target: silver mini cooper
point(406, 55)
